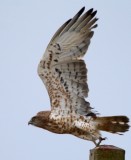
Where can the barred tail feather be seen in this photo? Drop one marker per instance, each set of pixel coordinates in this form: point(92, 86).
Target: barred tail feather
point(113, 124)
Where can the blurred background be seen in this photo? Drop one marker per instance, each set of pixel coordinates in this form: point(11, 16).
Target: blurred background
point(26, 27)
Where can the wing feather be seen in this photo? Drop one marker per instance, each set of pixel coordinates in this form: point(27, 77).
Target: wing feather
point(59, 31)
point(72, 22)
point(62, 69)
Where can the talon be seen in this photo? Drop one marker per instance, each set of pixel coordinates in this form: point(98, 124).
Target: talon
point(102, 139)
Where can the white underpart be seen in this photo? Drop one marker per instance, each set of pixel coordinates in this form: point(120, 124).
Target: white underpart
point(86, 126)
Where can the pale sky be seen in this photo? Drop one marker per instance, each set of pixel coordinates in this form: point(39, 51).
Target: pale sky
point(26, 27)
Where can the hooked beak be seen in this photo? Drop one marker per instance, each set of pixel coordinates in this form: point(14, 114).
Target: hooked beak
point(30, 122)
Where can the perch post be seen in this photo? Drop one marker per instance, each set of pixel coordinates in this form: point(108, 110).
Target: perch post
point(107, 152)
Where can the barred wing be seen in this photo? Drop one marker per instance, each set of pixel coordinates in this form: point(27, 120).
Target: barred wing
point(62, 69)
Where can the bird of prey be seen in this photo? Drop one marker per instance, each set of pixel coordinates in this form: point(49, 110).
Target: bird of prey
point(64, 73)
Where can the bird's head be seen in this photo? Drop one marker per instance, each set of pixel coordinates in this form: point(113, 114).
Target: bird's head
point(40, 120)
point(35, 121)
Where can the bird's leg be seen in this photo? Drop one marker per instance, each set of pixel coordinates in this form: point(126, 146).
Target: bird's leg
point(100, 140)
point(95, 143)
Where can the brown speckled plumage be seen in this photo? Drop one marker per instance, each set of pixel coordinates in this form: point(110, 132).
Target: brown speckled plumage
point(64, 74)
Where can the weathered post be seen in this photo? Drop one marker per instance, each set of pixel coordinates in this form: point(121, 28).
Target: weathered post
point(107, 152)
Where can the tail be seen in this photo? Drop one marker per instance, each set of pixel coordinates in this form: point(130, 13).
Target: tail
point(113, 124)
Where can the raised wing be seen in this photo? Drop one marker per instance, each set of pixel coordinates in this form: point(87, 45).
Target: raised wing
point(62, 69)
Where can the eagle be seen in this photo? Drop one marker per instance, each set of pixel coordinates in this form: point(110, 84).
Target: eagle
point(64, 74)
